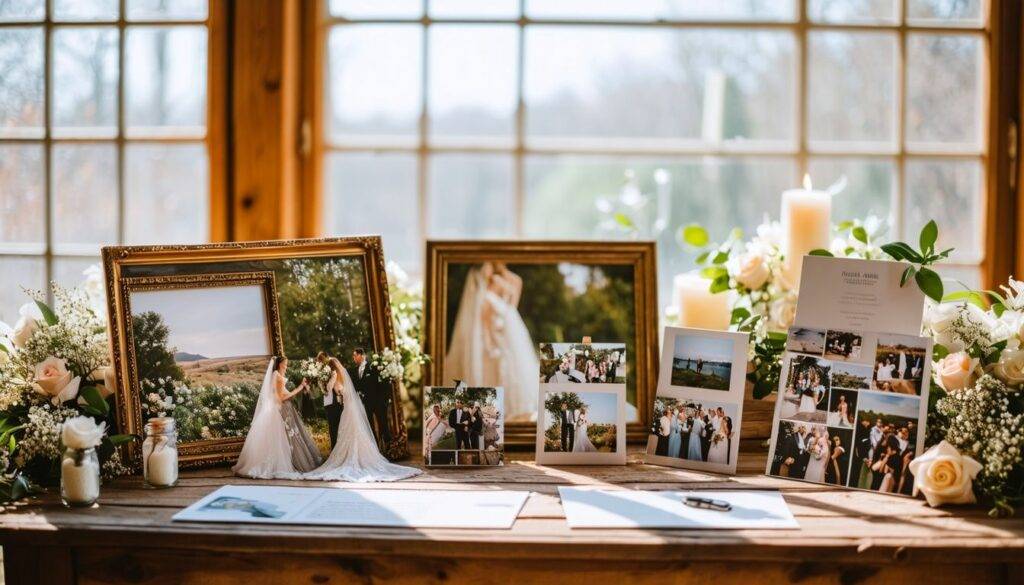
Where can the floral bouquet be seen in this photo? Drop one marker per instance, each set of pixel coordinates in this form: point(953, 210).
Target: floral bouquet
point(316, 372)
point(388, 365)
point(54, 367)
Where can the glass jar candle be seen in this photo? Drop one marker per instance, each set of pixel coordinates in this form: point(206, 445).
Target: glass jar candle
point(80, 477)
point(160, 453)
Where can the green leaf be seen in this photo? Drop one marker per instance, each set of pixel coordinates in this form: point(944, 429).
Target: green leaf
point(860, 234)
point(713, 272)
point(845, 225)
point(820, 252)
point(720, 284)
point(998, 309)
point(695, 235)
point(720, 258)
point(48, 314)
point(902, 251)
point(703, 257)
point(929, 233)
point(907, 274)
point(930, 283)
point(736, 234)
point(623, 220)
point(739, 314)
point(939, 351)
point(94, 401)
point(4, 349)
point(120, 439)
point(974, 297)
point(19, 488)
point(893, 250)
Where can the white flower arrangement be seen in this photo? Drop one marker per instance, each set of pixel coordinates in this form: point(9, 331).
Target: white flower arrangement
point(316, 372)
point(54, 368)
point(388, 364)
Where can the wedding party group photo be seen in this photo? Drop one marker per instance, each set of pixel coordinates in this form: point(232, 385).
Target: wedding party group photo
point(812, 452)
point(583, 363)
point(693, 430)
point(463, 426)
point(900, 364)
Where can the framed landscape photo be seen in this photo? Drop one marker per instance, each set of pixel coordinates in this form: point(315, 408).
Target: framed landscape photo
point(463, 426)
point(193, 330)
point(496, 310)
point(581, 424)
point(698, 408)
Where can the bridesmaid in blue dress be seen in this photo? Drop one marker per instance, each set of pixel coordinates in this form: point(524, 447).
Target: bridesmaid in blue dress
point(675, 439)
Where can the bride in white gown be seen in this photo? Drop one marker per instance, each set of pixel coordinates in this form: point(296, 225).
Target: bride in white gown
point(582, 443)
point(355, 456)
point(490, 344)
point(266, 453)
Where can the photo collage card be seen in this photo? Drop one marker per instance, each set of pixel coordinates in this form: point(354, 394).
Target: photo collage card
point(463, 426)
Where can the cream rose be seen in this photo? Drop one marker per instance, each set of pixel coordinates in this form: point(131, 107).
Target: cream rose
point(945, 476)
point(106, 376)
point(1010, 367)
point(750, 270)
point(82, 432)
point(782, 312)
point(956, 371)
point(27, 325)
point(53, 379)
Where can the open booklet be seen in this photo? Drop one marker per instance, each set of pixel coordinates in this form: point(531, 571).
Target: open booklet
point(358, 507)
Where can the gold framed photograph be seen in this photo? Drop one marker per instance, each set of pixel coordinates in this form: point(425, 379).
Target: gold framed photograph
point(489, 305)
point(193, 328)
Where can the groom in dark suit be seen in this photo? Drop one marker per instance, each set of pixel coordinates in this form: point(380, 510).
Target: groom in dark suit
point(375, 394)
point(458, 419)
point(568, 428)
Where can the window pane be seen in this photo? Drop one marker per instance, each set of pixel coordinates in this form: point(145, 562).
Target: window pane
point(471, 196)
point(67, 272)
point(166, 80)
point(853, 11)
point(17, 272)
point(662, 9)
point(22, 10)
point(852, 88)
point(377, 8)
point(944, 94)
point(958, 12)
point(77, 10)
point(472, 83)
point(950, 193)
point(84, 196)
point(166, 198)
point(375, 82)
point(21, 82)
point(84, 91)
point(617, 82)
point(22, 200)
point(166, 10)
point(870, 187)
point(375, 194)
point(959, 277)
point(474, 9)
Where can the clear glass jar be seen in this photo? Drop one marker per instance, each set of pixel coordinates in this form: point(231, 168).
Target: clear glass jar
point(79, 477)
point(160, 453)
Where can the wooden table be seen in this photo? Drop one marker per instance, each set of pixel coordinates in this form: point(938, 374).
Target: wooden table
point(845, 537)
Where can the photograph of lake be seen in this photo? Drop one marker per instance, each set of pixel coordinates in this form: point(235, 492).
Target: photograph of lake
point(702, 362)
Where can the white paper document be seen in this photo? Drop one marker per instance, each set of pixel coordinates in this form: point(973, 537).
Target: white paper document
point(603, 508)
point(358, 507)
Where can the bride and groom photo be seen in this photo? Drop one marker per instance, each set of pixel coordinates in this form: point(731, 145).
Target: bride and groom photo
point(463, 426)
point(581, 422)
point(805, 397)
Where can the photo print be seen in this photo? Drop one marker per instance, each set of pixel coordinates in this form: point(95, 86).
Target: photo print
point(888, 433)
point(197, 329)
point(811, 452)
point(851, 376)
point(843, 345)
point(581, 423)
point(900, 363)
point(804, 396)
point(702, 362)
point(463, 426)
point(586, 363)
point(804, 340)
point(701, 432)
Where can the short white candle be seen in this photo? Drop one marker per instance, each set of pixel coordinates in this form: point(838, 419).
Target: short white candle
point(161, 466)
point(81, 483)
point(806, 221)
point(697, 305)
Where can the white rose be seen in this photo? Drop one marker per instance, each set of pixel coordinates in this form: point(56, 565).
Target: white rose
point(750, 270)
point(52, 379)
point(783, 312)
point(1013, 321)
point(945, 476)
point(939, 320)
point(94, 289)
point(82, 432)
point(27, 325)
point(1010, 367)
point(956, 371)
point(106, 375)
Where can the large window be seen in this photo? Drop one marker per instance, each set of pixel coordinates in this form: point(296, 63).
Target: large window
point(466, 119)
point(102, 133)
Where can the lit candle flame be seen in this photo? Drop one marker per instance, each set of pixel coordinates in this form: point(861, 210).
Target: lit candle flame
point(807, 181)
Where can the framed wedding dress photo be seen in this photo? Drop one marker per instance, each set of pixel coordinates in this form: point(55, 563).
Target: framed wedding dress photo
point(194, 329)
point(489, 305)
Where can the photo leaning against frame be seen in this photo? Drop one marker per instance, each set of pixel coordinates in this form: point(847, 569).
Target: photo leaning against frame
point(489, 305)
point(581, 424)
point(463, 426)
point(698, 407)
point(200, 333)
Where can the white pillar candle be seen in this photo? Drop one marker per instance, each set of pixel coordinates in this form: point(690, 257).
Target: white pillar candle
point(80, 483)
point(697, 305)
point(161, 466)
point(806, 222)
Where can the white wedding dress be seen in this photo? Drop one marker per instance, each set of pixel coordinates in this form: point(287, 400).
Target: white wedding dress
point(510, 361)
point(718, 452)
point(355, 456)
point(266, 453)
point(582, 442)
point(810, 403)
point(818, 463)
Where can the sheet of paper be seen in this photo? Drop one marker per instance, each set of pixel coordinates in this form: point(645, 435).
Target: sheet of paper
point(858, 295)
point(358, 507)
point(604, 508)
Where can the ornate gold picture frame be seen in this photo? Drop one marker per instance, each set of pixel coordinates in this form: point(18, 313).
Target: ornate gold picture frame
point(557, 291)
point(326, 294)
